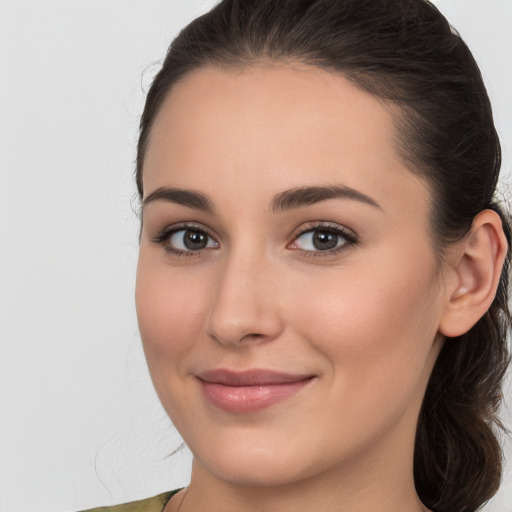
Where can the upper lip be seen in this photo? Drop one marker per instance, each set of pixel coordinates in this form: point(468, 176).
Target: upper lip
point(255, 377)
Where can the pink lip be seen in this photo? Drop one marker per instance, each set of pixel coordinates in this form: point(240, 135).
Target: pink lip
point(250, 390)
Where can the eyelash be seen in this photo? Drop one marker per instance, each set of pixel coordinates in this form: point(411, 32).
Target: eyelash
point(349, 236)
point(162, 238)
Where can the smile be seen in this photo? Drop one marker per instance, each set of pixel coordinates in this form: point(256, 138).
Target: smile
point(251, 390)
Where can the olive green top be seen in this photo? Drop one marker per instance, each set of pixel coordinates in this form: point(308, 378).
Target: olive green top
point(154, 504)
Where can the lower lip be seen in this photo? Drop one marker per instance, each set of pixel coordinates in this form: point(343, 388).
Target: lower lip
point(250, 398)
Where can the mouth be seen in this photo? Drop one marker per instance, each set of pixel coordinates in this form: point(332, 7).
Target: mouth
point(250, 390)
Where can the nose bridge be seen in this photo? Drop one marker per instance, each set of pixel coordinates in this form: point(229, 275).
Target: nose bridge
point(245, 306)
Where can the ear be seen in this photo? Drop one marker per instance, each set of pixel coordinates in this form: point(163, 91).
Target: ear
point(475, 266)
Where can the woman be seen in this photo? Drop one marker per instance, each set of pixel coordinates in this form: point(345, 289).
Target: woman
point(323, 274)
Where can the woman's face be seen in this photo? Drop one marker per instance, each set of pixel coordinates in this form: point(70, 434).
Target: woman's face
point(288, 292)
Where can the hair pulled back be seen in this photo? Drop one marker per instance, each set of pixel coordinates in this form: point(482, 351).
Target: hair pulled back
point(405, 52)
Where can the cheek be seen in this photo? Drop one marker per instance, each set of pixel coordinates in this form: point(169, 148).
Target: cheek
point(375, 329)
point(170, 307)
point(170, 312)
point(374, 316)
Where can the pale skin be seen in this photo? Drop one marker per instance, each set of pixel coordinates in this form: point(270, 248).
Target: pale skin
point(366, 319)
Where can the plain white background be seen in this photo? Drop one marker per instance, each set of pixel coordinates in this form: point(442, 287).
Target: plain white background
point(80, 425)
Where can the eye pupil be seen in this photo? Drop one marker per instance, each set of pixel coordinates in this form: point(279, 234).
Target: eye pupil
point(195, 240)
point(324, 240)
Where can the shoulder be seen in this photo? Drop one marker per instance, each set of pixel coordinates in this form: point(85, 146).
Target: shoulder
point(154, 504)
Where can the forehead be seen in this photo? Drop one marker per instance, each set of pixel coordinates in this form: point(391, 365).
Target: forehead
point(274, 126)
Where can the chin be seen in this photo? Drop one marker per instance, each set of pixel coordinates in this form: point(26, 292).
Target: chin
point(255, 474)
point(251, 466)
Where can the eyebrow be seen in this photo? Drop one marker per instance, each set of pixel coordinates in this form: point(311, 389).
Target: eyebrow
point(306, 196)
point(287, 200)
point(189, 198)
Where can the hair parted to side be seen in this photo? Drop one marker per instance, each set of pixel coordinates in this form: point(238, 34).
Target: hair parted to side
point(405, 52)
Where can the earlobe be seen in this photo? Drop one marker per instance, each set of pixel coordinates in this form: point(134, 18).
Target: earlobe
point(477, 269)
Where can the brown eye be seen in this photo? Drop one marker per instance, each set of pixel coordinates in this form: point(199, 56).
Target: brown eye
point(185, 240)
point(325, 239)
point(195, 240)
point(319, 240)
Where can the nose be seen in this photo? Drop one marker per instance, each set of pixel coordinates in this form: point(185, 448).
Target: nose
point(245, 305)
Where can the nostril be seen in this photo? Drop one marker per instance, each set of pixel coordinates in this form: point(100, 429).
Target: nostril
point(252, 337)
point(237, 337)
point(259, 328)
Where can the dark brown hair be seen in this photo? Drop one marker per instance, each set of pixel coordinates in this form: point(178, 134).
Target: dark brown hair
point(405, 52)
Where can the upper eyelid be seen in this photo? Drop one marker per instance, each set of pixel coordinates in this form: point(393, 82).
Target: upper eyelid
point(170, 229)
point(325, 225)
point(183, 226)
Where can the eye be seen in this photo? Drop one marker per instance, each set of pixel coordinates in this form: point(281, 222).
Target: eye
point(185, 240)
point(323, 239)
